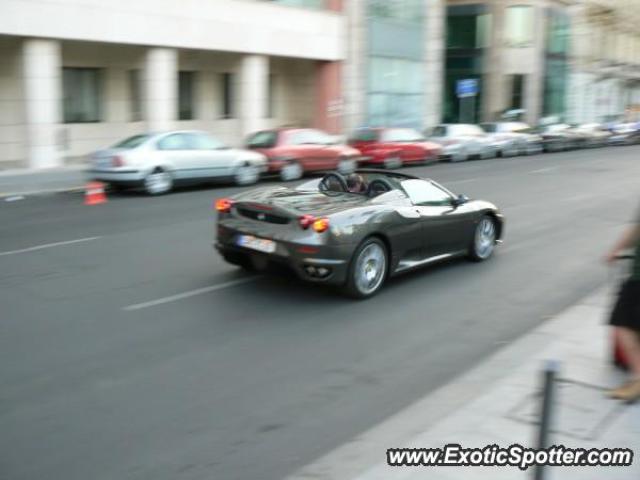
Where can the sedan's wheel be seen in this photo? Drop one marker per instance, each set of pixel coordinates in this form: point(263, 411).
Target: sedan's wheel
point(158, 182)
point(392, 162)
point(460, 156)
point(484, 239)
point(487, 153)
point(534, 148)
point(246, 175)
point(291, 171)
point(346, 166)
point(368, 269)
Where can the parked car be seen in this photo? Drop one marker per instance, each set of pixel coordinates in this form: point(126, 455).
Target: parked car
point(393, 147)
point(594, 134)
point(513, 138)
point(291, 152)
point(625, 134)
point(461, 141)
point(559, 137)
point(329, 234)
point(159, 161)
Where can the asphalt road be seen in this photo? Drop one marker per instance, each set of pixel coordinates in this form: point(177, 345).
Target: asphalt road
point(108, 371)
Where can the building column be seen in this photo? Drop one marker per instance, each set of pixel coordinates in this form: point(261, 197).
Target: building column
point(328, 97)
point(42, 71)
point(253, 86)
point(435, 16)
point(495, 79)
point(534, 84)
point(160, 81)
point(354, 68)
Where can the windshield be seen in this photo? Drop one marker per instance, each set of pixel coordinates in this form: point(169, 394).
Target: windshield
point(401, 135)
point(132, 142)
point(265, 139)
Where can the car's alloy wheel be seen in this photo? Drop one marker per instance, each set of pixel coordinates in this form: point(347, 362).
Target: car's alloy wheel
point(158, 182)
point(346, 166)
point(368, 269)
point(484, 239)
point(460, 156)
point(487, 153)
point(392, 162)
point(291, 171)
point(246, 175)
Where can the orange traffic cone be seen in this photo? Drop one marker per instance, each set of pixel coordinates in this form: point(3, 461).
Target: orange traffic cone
point(94, 193)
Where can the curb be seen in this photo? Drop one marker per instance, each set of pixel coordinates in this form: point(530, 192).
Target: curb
point(360, 458)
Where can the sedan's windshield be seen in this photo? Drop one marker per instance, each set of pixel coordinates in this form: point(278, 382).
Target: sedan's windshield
point(401, 135)
point(132, 142)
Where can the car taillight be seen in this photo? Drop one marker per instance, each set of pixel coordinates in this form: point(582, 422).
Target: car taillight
point(117, 161)
point(306, 221)
point(223, 205)
point(321, 225)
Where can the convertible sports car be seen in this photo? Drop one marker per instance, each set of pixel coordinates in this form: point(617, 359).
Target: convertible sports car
point(355, 231)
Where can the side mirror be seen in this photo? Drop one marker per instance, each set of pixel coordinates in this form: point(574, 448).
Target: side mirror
point(459, 200)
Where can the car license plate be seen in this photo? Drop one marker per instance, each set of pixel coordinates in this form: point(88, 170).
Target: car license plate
point(260, 244)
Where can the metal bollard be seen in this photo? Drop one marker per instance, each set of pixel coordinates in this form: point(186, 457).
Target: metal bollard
point(549, 376)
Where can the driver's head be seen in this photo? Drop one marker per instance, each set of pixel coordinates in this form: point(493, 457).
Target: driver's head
point(355, 183)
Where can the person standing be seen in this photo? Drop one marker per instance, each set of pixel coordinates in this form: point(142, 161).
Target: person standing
point(625, 317)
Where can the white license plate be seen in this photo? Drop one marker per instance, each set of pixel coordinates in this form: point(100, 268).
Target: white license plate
point(260, 244)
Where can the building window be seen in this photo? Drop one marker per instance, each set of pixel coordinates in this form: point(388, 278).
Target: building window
point(517, 91)
point(396, 92)
point(82, 95)
point(186, 88)
point(519, 26)
point(301, 3)
point(226, 84)
point(135, 96)
point(400, 11)
point(468, 27)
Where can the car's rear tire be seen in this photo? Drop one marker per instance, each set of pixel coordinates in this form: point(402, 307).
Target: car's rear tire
point(368, 269)
point(158, 182)
point(392, 162)
point(291, 171)
point(246, 174)
point(484, 239)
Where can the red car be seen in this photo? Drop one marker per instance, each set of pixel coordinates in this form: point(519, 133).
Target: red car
point(393, 147)
point(293, 151)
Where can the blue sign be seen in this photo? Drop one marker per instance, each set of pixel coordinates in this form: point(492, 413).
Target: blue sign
point(467, 88)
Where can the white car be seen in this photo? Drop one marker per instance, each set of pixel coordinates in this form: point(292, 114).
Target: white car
point(513, 138)
point(461, 141)
point(158, 161)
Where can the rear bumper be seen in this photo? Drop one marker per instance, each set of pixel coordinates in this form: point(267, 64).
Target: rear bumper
point(312, 263)
point(121, 177)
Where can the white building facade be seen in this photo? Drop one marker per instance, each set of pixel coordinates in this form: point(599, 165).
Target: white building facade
point(78, 75)
point(605, 78)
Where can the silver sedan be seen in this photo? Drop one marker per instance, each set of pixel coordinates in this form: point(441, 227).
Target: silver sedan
point(462, 141)
point(158, 161)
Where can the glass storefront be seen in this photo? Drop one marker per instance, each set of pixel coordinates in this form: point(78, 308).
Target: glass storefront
point(556, 63)
point(395, 66)
point(519, 26)
point(301, 3)
point(468, 36)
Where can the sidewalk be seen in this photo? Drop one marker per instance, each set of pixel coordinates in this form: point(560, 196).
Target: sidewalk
point(497, 402)
point(27, 182)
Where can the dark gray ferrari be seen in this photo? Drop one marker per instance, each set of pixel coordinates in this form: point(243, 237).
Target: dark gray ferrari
point(355, 231)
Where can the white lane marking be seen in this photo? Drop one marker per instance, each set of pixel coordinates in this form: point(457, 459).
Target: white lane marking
point(544, 170)
point(190, 293)
point(48, 245)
